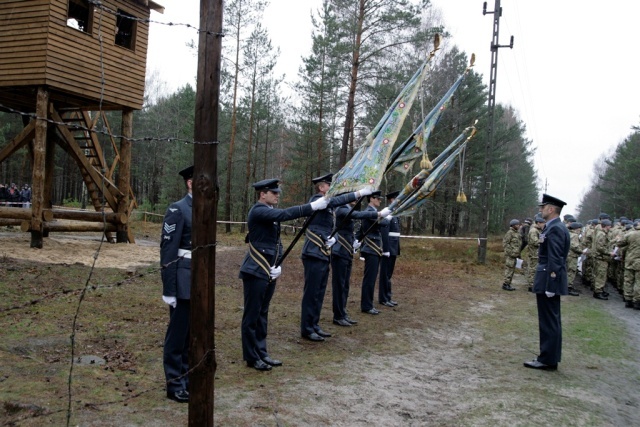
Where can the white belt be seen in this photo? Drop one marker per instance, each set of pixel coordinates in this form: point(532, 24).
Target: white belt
point(394, 234)
point(184, 253)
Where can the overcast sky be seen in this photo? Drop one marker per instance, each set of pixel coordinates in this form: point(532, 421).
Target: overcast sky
point(571, 75)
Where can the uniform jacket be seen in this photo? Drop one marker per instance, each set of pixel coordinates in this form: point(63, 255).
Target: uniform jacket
point(346, 230)
point(511, 243)
point(533, 242)
point(551, 272)
point(373, 235)
point(394, 239)
point(322, 226)
point(631, 243)
point(176, 234)
point(264, 235)
point(576, 245)
point(601, 245)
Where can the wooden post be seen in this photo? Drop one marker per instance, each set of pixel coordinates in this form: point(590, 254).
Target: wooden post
point(124, 172)
point(205, 205)
point(39, 152)
point(49, 169)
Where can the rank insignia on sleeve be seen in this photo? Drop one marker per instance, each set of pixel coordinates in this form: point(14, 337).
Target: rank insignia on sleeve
point(169, 228)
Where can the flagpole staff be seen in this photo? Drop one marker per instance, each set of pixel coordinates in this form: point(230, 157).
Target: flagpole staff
point(295, 239)
point(344, 220)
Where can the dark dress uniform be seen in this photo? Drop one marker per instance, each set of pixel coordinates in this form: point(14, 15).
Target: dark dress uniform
point(551, 276)
point(265, 248)
point(371, 250)
point(315, 260)
point(175, 259)
point(342, 258)
point(390, 232)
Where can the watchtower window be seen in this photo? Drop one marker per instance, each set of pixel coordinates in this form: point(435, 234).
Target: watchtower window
point(125, 30)
point(80, 15)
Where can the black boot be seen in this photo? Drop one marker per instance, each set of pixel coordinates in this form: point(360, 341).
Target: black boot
point(507, 287)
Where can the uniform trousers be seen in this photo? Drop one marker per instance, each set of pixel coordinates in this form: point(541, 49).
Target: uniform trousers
point(550, 327)
point(340, 277)
point(572, 269)
point(600, 268)
point(631, 285)
point(176, 347)
point(255, 317)
point(531, 269)
point(371, 267)
point(316, 275)
point(387, 265)
point(509, 269)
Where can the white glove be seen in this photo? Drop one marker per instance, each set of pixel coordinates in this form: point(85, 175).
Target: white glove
point(385, 212)
point(320, 204)
point(172, 301)
point(356, 245)
point(330, 242)
point(387, 254)
point(389, 217)
point(364, 192)
point(585, 250)
point(275, 272)
point(549, 294)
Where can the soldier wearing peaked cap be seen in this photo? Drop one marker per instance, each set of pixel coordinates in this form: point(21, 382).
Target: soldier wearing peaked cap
point(550, 282)
point(175, 260)
point(390, 233)
point(316, 256)
point(258, 271)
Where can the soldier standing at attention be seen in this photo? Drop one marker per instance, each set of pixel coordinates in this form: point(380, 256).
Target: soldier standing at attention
point(524, 233)
point(631, 244)
point(258, 271)
point(549, 283)
point(532, 249)
point(511, 244)
point(342, 260)
point(390, 233)
point(371, 250)
point(316, 255)
point(175, 259)
point(575, 229)
point(602, 255)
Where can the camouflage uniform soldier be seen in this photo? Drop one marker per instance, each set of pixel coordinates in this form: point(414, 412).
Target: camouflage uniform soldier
point(532, 249)
point(615, 263)
point(511, 244)
point(630, 242)
point(601, 254)
point(589, 261)
point(575, 228)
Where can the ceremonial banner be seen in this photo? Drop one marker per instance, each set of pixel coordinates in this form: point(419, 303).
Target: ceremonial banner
point(366, 168)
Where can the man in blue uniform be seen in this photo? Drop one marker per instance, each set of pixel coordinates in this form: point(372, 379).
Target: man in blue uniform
point(175, 259)
point(342, 260)
point(316, 257)
point(258, 271)
point(550, 282)
point(390, 233)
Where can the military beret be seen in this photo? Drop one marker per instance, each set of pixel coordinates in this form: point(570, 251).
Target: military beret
point(267, 185)
point(538, 218)
point(186, 173)
point(606, 222)
point(628, 226)
point(392, 195)
point(575, 225)
point(514, 222)
point(324, 178)
point(570, 218)
point(603, 216)
point(550, 200)
point(528, 221)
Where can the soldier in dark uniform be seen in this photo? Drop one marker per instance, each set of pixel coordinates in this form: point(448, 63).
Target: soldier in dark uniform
point(549, 283)
point(371, 250)
point(175, 259)
point(258, 271)
point(390, 233)
point(342, 260)
point(316, 258)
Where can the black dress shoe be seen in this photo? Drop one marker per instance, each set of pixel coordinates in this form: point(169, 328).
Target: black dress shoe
point(180, 396)
point(387, 304)
point(323, 334)
point(600, 295)
point(573, 293)
point(313, 337)
point(508, 287)
point(372, 311)
point(530, 289)
point(535, 364)
point(392, 302)
point(341, 322)
point(272, 362)
point(350, 320)
point(628, 304)
point(259, 365)
point(605, 293)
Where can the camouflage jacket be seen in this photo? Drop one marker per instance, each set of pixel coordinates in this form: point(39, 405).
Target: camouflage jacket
point(631, 243)
point(511, 243)
point(533, 241)
point(576, 246)
point(601, 246)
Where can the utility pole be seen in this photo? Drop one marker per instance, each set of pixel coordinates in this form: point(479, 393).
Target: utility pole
point(484, 223)
point(202, 360)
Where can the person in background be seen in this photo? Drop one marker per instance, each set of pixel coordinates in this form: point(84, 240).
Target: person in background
point(390, 233)
point(259, 272)
point(575, 230)
point(511, 243)
point(532, 249)
point(550, 283)
point(175, 261)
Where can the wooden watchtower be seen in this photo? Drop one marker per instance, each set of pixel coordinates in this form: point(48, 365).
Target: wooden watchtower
point(66, 62)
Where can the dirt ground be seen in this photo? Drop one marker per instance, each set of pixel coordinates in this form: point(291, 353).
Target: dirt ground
point(449, 354)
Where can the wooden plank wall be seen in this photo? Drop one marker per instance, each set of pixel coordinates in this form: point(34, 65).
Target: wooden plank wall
point(73, 58)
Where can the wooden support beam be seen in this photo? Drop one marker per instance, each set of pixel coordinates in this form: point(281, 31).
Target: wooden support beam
point(23, 214)
point(19, 141)
point(115, 218)
point(39, 153)
point(7, 222)
point(70, 228)
point(124, 173)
